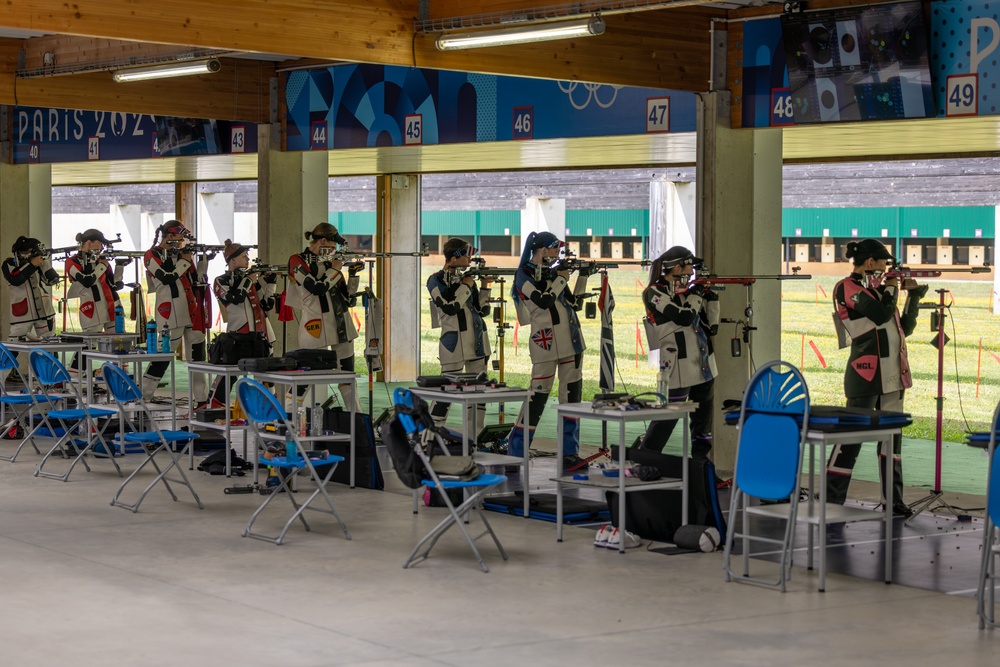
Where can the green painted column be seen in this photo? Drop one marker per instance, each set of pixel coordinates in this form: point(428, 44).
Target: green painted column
point(739, 233)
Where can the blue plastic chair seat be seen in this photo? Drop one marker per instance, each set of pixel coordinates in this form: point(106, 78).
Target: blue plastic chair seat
point(19, 399)
point(80, 413)
point(169, 436)
point(282, 462)
point(482, 480)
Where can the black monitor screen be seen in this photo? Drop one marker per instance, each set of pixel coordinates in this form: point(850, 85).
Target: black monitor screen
point(186, 136)
point(858, 63)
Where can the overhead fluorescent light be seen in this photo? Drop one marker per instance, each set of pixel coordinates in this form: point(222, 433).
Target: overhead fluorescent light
point(538, 32)
point(167, 70)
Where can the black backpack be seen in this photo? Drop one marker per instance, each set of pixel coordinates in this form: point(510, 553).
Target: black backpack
point(409, 466)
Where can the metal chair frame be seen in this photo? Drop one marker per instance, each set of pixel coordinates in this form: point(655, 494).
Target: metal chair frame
point(176, 444)
point(777, 397)
point(48, 372)
point(422, 437)
point(986, 588)
point(261, 407)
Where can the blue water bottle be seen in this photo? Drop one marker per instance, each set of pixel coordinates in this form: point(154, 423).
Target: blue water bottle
point(119, 320)
point(151, 337)
point(165, 339)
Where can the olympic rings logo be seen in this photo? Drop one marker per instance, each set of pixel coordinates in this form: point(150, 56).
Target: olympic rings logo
point(593, 94)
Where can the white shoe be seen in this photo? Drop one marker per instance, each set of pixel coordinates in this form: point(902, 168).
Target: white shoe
point(601, 539)
point(631, 540)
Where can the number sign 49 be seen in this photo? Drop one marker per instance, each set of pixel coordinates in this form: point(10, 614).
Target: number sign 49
point(963, 95)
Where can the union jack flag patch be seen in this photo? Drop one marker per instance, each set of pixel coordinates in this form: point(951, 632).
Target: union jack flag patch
point(543, 338)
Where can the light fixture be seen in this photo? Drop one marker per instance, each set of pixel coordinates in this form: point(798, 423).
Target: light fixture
point(167, 70)
point(538, 32)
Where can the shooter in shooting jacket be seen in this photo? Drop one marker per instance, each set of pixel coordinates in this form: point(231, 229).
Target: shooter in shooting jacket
point(682, 319)
point(323, 296)
point(543, 300)
point(878, 373)
point(94, 283)
point(171, 272)
point(29, 282)
point(458, 307)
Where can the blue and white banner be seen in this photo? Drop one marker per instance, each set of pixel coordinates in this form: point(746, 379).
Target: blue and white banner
point(357, 106)
point(46, 135)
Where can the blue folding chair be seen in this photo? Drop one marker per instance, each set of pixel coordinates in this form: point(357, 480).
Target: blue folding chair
point(774, 416)
point(79, 425)
point(986, 590)
point(24, 405)
point(261, 408)
point(417, 427)
point(176, 444)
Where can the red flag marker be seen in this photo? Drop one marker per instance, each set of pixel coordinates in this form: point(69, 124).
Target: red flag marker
point(822, 361)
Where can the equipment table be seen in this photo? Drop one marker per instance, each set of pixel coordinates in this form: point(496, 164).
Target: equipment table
point(227, 373)
point(622, 484)
point(295, 379)
point(476, 396)
point(59, 349)
point(137, 359)
point(820, 513)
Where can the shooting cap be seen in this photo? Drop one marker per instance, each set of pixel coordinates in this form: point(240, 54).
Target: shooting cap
point(860, 251)
point(91, 235)
point(175, 227)
point(545, 240)
point(325, 230)
point(25, 244)
point(233, 250)
point(678, 256)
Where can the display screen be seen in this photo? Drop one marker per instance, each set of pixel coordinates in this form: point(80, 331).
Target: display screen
point(858, 63)
point(187, 136)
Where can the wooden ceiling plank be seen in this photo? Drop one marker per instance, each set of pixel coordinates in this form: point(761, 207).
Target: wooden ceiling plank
point(238, 92)
point(338, 29)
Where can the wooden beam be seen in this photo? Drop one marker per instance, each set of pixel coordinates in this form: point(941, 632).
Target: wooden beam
point(657, 49)
point(359, 30)
point(70, 51)
point(240, 91)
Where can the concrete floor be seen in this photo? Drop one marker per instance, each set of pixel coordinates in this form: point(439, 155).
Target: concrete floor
point(88, 584)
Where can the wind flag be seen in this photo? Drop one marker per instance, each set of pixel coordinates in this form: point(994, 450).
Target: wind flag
point(606, 302)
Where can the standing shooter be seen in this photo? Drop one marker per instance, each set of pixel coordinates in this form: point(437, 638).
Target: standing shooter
point(458, 306)
point(877, 373)
point(682, 319)
point(543, 300)
point(172, 274)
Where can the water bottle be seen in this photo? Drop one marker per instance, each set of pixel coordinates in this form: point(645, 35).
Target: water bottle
point(165, 339)
point(302, 422)
point(317, 420)
point(151, 337)
point(119, 320)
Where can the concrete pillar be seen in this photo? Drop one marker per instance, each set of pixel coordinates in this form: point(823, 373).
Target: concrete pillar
point(216, 223)
point(739, 229)
point(671, 216)
point(126, 219)
point(398, 224)
point(25, 210)
point(291, 197)
point(543, 215)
